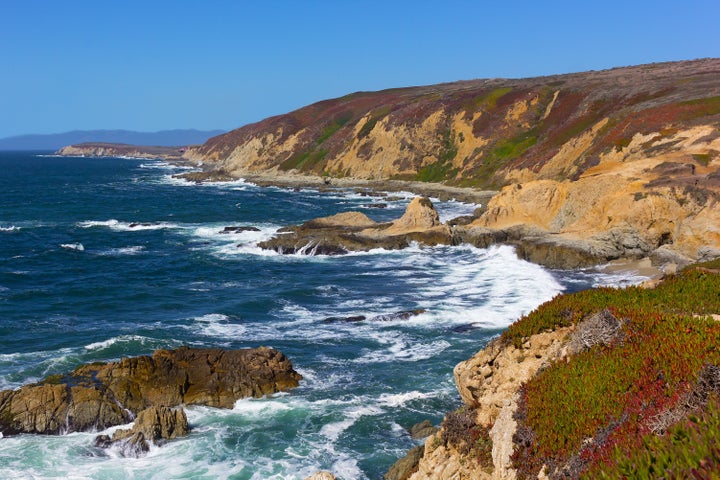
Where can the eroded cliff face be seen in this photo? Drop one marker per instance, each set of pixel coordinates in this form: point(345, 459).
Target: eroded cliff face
point(628, 156)
point(489, 383)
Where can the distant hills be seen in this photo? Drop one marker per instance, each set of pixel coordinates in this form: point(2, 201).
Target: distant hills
point(56, 141)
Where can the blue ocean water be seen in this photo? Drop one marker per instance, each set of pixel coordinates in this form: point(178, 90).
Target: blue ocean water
point(102, 258)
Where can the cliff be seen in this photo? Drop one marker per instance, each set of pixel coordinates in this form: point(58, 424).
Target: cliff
point(615, 163)
point(606, 383)
point(100, 149)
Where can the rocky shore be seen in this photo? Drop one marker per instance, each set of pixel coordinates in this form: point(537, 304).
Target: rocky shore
point(144, 389)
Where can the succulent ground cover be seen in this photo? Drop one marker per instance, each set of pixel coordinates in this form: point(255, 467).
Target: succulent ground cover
point(642, 402)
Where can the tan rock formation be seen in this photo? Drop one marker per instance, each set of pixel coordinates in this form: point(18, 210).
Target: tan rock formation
point(98, 396)
point(154, 425)
point(323, 475)
point(354, 231)
point(488, 383)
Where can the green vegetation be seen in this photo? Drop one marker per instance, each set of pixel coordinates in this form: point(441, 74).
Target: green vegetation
point(688, 450)
point(375, 117)
point(702, 158)
point(704, 106)
point(460, 431)
point(443, 168)
point(487, 101)
point(596, 410)
point(503, 151)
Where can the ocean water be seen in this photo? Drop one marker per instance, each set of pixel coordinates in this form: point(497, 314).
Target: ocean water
point(109, 257)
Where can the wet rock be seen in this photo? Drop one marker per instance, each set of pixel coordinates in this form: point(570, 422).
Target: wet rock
point(422, 430)
point(100, 395)
point(403, 468)
point(376, 205)
point(154, 425)
point(239, 229)
point(392, 317)
point(353, 319)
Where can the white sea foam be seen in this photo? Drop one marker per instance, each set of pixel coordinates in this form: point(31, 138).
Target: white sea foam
point(73, 246)
point(118, 252)
point(119, 226)
point(333, 430)
point(119, 339)
point(11, 228)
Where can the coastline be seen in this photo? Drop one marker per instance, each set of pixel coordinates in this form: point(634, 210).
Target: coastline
point(543, 248)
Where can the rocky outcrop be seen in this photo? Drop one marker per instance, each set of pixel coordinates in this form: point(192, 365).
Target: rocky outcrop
point(323, 475)
point(97, 396)
point(354, 231)
point(154, 425)
point(97, 149)
point(488, 384)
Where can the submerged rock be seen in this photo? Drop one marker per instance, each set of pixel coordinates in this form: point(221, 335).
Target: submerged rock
point(101, 395)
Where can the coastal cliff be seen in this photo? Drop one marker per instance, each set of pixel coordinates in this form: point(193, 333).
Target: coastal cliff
point(615, 163)
point(598, 384)
point(100, 149)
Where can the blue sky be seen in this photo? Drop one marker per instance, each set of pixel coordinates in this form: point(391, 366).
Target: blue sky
point(156, 65)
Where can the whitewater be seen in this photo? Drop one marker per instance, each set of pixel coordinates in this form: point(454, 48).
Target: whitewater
point(108, 257)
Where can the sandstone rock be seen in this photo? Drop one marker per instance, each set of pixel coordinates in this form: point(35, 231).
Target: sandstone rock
point(489, 383)
point(321, 476)
point(154, 425)
point(422, 430)
point(98, 396)
point(354, 231)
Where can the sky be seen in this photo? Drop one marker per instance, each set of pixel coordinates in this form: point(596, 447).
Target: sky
point(160, 65)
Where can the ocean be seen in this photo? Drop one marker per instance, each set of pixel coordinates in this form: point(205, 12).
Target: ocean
point(102, 258)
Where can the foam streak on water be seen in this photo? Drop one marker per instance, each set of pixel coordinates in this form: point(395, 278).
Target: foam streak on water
point(107, 258)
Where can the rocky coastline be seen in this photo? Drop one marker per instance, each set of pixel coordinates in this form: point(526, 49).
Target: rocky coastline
point(149, 390)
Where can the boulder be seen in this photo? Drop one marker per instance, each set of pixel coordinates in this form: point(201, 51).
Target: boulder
point(321, 476)
point(101, 395)
point(404, 467)
point(422, 430)
point(154, 425)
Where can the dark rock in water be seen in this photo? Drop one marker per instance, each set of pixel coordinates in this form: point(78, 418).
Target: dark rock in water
point(376, 205)
point(404, 467)
point(465, 328)
point(139, 224)
point(422, 430)
point(464, 220)
point(154, 425)
point(100, 395)
point(357, 318)
point(391, 317)
point(239, 229)
point(208, 176)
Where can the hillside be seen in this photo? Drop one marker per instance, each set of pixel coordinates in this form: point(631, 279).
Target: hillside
point(604, 383)
point(624, 161)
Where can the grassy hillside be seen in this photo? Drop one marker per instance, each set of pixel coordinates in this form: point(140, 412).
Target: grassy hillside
point(474, 133)
point(639, 395)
